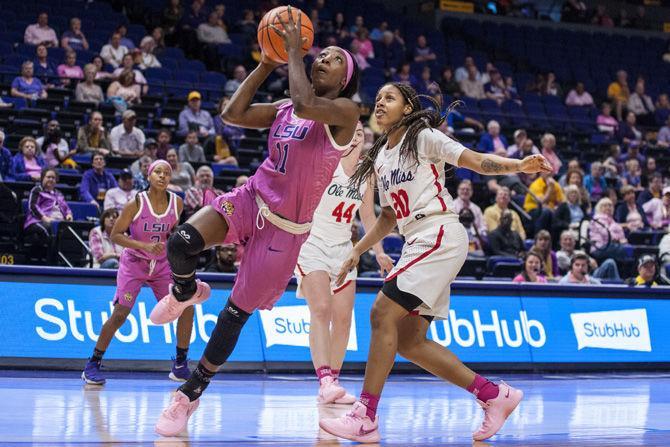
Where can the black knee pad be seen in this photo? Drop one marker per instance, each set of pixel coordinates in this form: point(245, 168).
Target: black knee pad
point(225, 334)
point(183, 248)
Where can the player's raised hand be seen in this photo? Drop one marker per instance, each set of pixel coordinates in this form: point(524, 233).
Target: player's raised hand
point(290, 31)
point(535, 163)
point(348, 266)
point(385, 263)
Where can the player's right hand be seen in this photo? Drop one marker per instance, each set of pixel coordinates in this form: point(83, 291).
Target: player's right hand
point(155, 248)
point(349, 265)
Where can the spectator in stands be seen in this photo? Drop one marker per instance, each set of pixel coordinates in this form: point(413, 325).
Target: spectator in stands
point(26, 86)
point(5, 159)
point(579, 268)
point(228, 137)
point(193, 117)
point(53, 147)
point(544, 195)
point(224, 259)
point(120, 195)
point(618, 92)
point(128, 64)
point(41, 33)
point(601, 18)
point(632, 174)
point(239, 75)
point(532, 270)
point(96, 181)
point(172, 15)
point(654, 189)
point(471, 86)
point(578, 96)
point(647, 274)
point(27, 165)
point(150, 150)
point(594, 182)
point(164, 139)
point(567, 243)
point(182, 172)
point(69, 70)
point(404, 74)
point(628, 133)
point(44, 69)
point(463, 201)
point(542, 246)
point(105, 252)
point(140, 180)
point(662, 109)
point(377, 33)
point(191, 151)
point(158, 36)
point(124, 92)
point(605, 121)
point(113, 52)
point(126, 41)
point(658, 210)
point(604, 229)
point(503, 239)
point(126, 139)
point(212, 35)
point(476, 242)
point(641, 105)
point(511, 90)
point(146, 57)
point(551, 86)
point(663, 137)
point(391, 54)
point(496, 89)
point(516, 150)
point(422, 52)
point(364, 43)
point(340, 28)
point(629, 213)
point(45, 205)
point(426, 85)
point(188, 25)
point(448, 83)
point(548, 142)
point(92, 137)
point(457, 121)
point(463, 72)
point(100, 72)
point(89, 91)
point(358, 24)
point(492, 213)
point(648, 170)
point(355, 51)
point(204, 186)
point(623, 21)
point(575, 177)
point(493, 140)
point(247, 25)
point(74, 39)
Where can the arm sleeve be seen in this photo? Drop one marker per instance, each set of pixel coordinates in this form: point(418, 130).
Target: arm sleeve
point(32, 202)
point(95, 243)
point(437, 147)
point(114, 140)
point(183, 124)
point(85, 188)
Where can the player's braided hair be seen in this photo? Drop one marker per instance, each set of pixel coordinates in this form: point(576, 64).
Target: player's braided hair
point(415, 122)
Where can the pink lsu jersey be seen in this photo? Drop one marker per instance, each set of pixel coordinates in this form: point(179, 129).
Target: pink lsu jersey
point(303, 157)
point(149, 226)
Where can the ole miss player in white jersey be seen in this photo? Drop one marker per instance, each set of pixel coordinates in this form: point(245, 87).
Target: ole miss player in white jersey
point(409, 162)
point(320, 260)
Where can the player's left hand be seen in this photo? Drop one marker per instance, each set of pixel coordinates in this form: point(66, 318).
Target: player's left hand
point(290, 31)
point(350, 264)
point(535, 163)
point(385, 263)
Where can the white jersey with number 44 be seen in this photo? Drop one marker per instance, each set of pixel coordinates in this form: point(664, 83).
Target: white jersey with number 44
point(337, 209)
point(417, 191)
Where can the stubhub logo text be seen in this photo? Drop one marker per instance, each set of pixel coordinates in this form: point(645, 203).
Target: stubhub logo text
point(289, 326)
point(616, 329)
point(465, 332)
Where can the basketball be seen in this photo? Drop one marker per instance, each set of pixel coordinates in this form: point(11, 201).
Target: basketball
point(271, 44)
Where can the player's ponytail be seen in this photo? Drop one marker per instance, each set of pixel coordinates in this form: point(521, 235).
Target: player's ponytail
point(415, 122)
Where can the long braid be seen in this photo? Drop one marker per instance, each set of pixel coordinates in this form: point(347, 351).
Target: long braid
point(415, 122)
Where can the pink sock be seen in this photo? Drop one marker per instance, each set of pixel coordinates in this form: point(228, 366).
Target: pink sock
point(483, 389)
point(335, 373)
point(370, 401)
point(323, 371)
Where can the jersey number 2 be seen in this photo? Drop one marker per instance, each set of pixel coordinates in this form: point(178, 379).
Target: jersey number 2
point(400, 203)
point(283, 156)
point(348, 214)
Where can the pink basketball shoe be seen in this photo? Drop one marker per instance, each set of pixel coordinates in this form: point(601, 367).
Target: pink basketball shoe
point(329, 391)
point(354, 426)
point(174, 418)
point(169, 309)
point(497, 410)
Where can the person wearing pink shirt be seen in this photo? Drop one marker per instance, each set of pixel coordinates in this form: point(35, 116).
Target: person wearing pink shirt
point(579, 96)
point(70, 70)
point(548, 150)
point(532, 270)
point(41, 33)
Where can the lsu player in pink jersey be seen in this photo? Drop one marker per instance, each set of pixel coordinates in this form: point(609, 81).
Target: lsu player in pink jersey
point(321, 257)
point(409, 161)
point(149, 220)
point(272, 213)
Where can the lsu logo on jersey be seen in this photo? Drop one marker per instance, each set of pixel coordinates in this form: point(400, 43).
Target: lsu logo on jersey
point(228, 208)
point(128, 296)
point(291, 131)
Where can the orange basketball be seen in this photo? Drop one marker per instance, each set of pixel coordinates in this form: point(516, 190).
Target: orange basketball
point(271, 44)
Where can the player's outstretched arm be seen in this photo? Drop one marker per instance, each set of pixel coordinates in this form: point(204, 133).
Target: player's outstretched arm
point(490, 164)
point(241, 112)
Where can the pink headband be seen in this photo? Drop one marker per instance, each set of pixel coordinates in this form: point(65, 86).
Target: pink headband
point(350, 67)
point(155, 164)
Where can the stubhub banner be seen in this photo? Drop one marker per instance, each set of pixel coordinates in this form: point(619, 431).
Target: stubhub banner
point(54, 317)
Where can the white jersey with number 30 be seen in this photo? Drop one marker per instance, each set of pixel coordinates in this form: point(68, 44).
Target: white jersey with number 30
point(337, 209)
point(417, 191)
